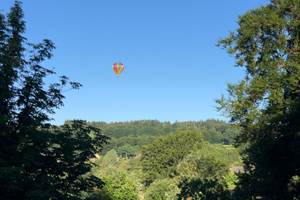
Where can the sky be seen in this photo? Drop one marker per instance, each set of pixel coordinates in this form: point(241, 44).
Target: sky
point(173, 69)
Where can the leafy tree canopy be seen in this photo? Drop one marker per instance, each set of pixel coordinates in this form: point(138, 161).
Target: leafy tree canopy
point(265, 104)
point(37, 160)
point(117, 187)
point(162, 189)
point(160, 158)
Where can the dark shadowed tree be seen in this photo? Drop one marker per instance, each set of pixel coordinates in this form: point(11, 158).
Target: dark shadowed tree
point(37, 160)
point(202, 189)
point(266, 103)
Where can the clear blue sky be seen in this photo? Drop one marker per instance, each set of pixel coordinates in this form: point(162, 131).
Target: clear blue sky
point(173, 69)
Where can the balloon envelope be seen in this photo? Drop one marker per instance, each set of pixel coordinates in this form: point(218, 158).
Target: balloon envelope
point(118, 68)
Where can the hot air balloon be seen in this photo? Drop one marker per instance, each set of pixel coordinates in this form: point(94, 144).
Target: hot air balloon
point(118, 68)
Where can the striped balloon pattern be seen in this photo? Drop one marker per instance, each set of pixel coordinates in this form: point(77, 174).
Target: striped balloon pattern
point(118, 68)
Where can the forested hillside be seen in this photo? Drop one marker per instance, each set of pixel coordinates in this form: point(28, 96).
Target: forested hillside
point(127, 138)
point(173, 166)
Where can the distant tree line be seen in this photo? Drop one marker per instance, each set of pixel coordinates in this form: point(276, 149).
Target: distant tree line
point(127, 138)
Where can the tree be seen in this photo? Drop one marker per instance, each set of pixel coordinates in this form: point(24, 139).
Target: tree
point(160, 158)
point(202, 176)
point(202, 166)
point(202, 189)
point(110, 158)
point(266, 103)
point(117, 187)
point(162, 189)
point(38, 160)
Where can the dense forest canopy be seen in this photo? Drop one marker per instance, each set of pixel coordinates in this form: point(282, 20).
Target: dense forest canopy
point(127, 138)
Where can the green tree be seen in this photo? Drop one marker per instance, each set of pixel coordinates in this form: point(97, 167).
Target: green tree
point(37, 160)
point(162, 189)
point(117, 187)
point(203, 189)
point(110, 158)
point(160, 158)
point(107, 164)
point(266, 103)
point(203, 177)
point(202, 166)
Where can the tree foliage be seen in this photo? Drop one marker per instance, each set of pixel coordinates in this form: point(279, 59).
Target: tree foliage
point(203, 176)
point(180, 168)
point(127, 138)
point(203, 189)
point(160, 158)
point(117, 187)
point(37, 160)
point(265, 104)
point(162, 189)
point(203, 166)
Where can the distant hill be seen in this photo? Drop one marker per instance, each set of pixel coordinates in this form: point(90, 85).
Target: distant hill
point(128, 137)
